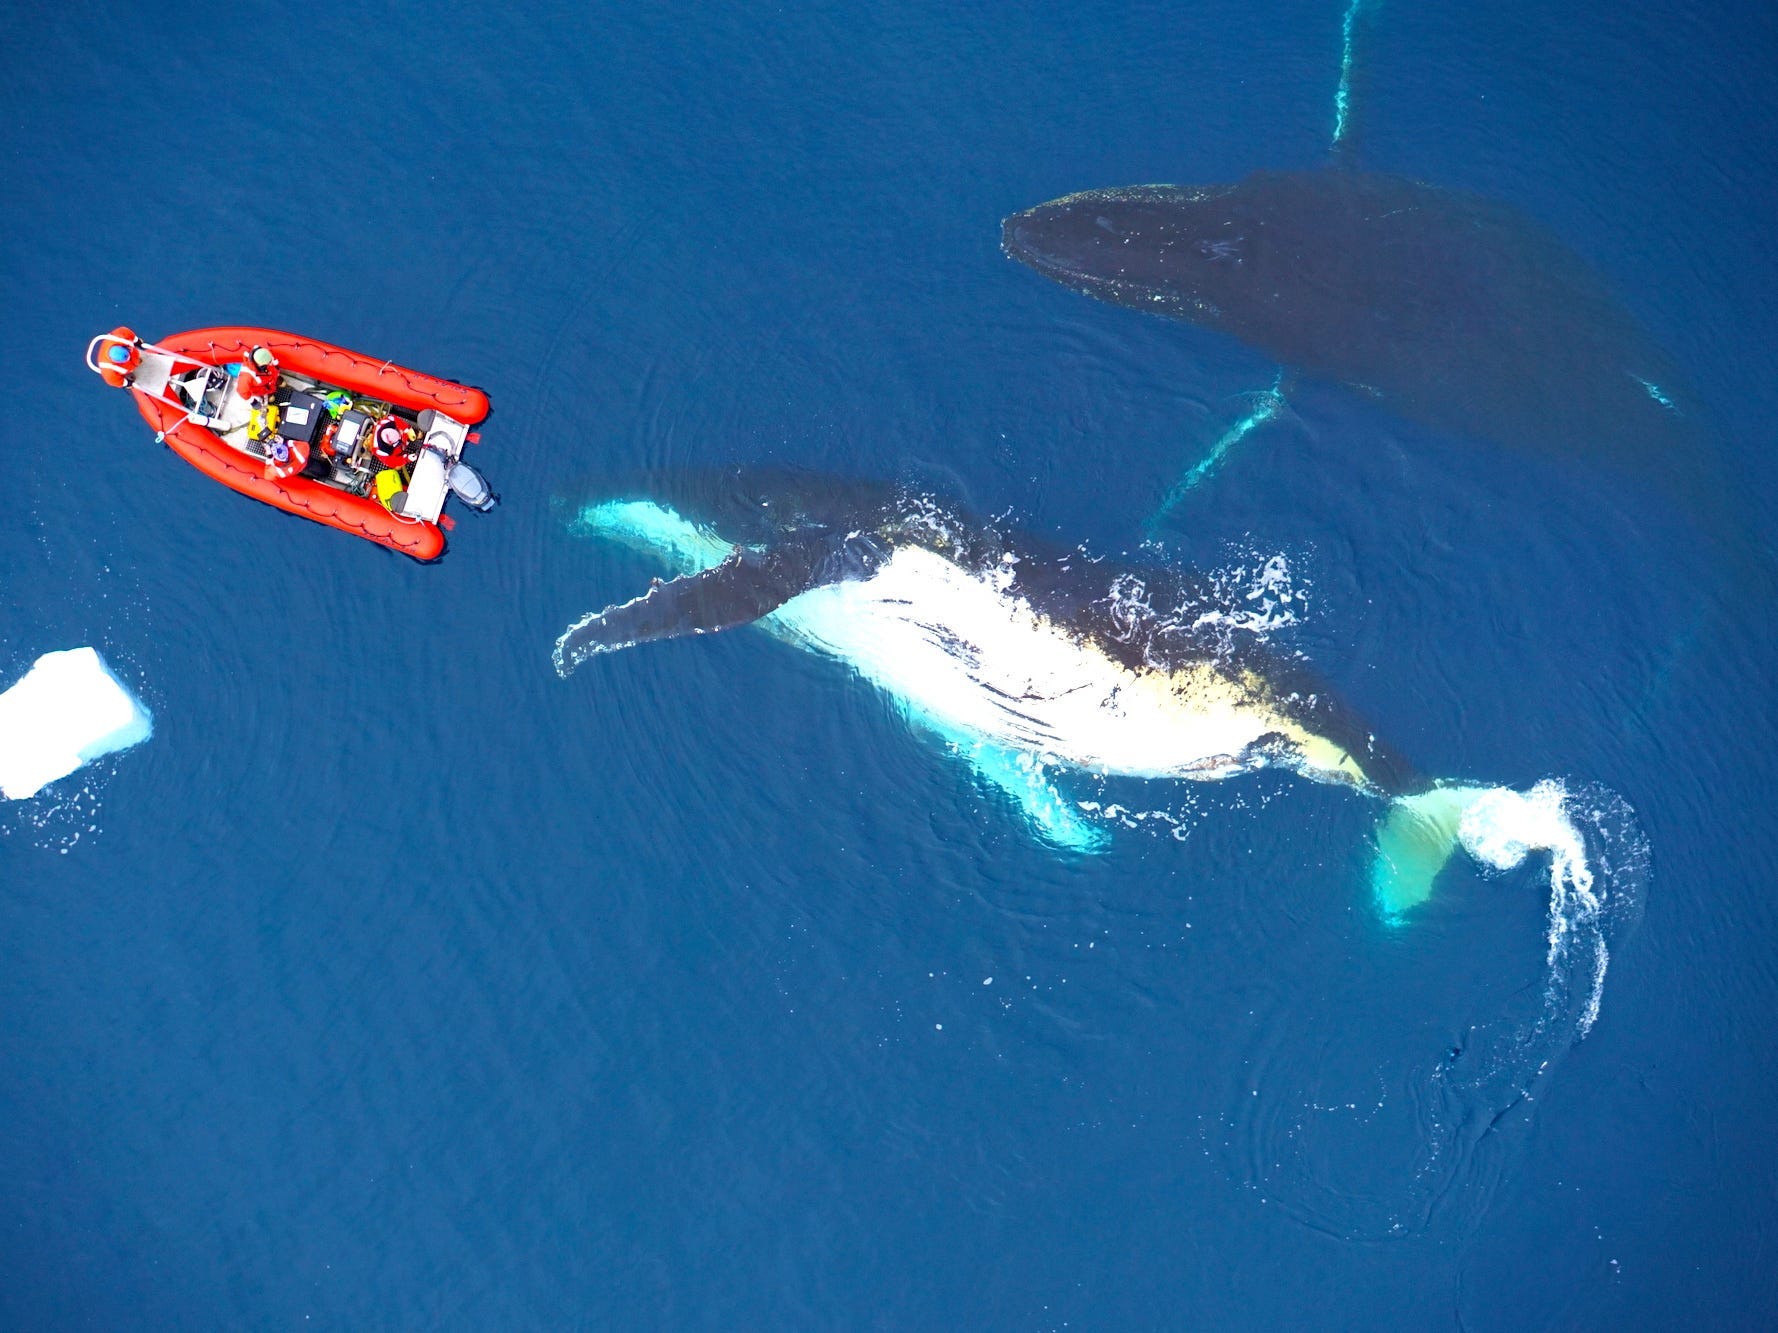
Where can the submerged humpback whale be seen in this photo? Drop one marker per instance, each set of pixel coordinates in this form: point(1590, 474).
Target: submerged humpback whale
point(1025, 657)
point(1453, 310)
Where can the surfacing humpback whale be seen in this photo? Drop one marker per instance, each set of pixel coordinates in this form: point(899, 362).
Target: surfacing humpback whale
point(1019, 653)
point(1033, 661)
point(1133, 672)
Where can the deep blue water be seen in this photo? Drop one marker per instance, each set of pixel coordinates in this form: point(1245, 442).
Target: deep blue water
point(397, 983)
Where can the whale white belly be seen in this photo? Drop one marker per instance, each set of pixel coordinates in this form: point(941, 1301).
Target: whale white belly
point(961, 654)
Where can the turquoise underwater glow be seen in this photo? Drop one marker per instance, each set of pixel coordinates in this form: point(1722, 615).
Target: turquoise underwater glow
point(1267, 404)
point(1343, 94)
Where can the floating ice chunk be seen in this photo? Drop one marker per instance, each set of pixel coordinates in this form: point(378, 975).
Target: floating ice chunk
point(67, 711)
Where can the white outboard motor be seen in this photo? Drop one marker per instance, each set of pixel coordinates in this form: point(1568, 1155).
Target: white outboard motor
point(472, 488)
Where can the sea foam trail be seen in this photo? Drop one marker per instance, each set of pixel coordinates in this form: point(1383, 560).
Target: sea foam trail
point(1500, 828)
point(1477, 1102)
point(67, 711)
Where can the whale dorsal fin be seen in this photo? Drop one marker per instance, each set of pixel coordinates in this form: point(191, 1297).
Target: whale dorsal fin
point(745, 586)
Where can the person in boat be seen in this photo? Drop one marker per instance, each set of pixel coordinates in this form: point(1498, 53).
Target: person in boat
point(259, 375)
point(284, 458)
point(119, 363)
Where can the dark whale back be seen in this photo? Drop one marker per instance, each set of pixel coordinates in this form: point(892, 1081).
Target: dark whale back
point(1456, 311)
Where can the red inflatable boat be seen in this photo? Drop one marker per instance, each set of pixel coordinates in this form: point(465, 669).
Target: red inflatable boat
point(362, 445)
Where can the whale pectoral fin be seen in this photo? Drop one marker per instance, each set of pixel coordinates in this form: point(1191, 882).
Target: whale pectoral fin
point(1051, 816)
point(747, 585)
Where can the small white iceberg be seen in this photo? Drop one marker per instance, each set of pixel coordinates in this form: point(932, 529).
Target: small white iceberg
point(68, 710)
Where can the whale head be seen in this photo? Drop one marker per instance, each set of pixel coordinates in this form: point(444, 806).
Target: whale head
point(1165, 249)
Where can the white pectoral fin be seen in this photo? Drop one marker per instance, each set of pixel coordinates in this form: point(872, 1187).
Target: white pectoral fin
point(1054, 818)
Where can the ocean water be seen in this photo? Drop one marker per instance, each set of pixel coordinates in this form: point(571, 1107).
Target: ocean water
point(396, 982)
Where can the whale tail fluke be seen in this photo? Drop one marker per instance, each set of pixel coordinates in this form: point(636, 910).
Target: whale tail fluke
point(1466, 1115)
point(1415, 841)
point(1499, 827)
point(1599, 868)
point(1598, 873)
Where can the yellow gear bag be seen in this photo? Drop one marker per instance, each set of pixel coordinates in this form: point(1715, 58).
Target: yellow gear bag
point(389, 485)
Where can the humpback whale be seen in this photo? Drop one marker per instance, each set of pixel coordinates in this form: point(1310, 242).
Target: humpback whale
point(1025, 657)
point(1031, 660)
point(1453, 310)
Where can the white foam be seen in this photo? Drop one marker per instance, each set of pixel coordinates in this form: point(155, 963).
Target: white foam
point(67, 711)
point(1500, 828)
